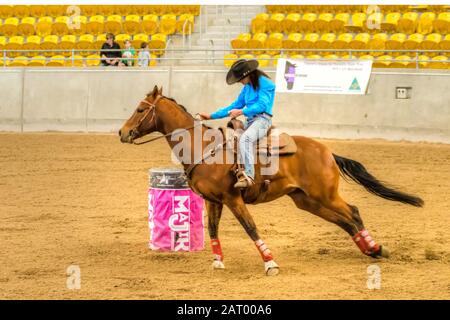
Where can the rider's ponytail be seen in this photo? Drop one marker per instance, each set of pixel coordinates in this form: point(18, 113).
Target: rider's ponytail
point(254, 78)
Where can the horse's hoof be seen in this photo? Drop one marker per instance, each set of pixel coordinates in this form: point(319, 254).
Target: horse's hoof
point(272, 268)
point(217, 265)
point(384, 252)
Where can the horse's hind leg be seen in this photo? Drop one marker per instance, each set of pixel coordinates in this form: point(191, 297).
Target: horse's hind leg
point(344, 215)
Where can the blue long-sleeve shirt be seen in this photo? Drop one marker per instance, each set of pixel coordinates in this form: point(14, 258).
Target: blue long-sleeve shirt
point(252, 102)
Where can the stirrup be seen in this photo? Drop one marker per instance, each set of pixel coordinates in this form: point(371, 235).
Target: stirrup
point(244, 181)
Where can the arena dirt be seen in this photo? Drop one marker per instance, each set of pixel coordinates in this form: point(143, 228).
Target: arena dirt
point(77, 199)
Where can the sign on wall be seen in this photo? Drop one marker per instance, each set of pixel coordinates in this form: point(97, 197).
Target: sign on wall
point(323, 76)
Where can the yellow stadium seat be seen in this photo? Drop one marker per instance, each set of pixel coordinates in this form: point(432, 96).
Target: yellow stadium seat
point(56, 61)
point(4, 61)
point(229, 59)
point(259, 23)
point(373, 22)
point(95, 25)
point(153, 60)
point(378, 42)
point(413, 42)
point(442, 23)
point(186, 22)
point(20, 61)
point(68, 42)
point(37, 61)
point(247, 56)
point(78, 25)
point(241, 42)
point(20, 11)
point(75, 61)
point(14, 43)
point(322, 24)
point(157, 43)
point(274, 24)
point(150, 24)
point(56, 10)
point(438, 63)
point(358, 22)
point(382, 62)
point(342, 41)
point(339, 21)
point(38, 11)
point(9, 27)
point(49, 42)
point(423, 63)
point(403, 61)
point(292, 41)
point(113, 24)
point(360, 41)
point(106, 10)
point(257, 42)
point(132, 24)
point(366, 57)
point(26, 26)
point(44, 26)
point(408, 22)
point(121, 38)
point(391, 22)
point(89, 10)
point(263, 60)
point(314, 57)
point(5, 11)
point(306, 23)
point(85, 42)
point(99, 41)
point(93, 60)
point(138, 39)
point(425, 25)
point(290, 24)
point(32, 44)
point(168, 24)
point(308, 41)
point(60, 26)
point(396, 41)
point(431, 42)
point(2, 43)
point(325, 41)
point(297, 56)
point(331, 57)
point(274, 41)
point(445, 43)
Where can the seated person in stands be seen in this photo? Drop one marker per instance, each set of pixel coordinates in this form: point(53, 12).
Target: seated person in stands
point(144, 55)
point(128, 54)
point(110, 58)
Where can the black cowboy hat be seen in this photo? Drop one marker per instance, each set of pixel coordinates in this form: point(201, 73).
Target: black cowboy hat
point(240, 69)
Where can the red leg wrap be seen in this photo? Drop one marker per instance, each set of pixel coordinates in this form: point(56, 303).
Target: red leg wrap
point(216, 249)
point(266, 254)
point(365, 242)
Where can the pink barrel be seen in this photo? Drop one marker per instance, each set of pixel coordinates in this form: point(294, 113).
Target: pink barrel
point(175, 212)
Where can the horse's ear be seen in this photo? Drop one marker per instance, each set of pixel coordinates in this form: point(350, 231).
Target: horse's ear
point(160, 91)
point(155, 91)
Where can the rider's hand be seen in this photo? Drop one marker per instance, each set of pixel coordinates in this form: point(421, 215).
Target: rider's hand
point(235, 113)
point(205, 116)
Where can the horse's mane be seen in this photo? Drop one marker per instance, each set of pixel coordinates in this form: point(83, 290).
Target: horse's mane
point(183, 108)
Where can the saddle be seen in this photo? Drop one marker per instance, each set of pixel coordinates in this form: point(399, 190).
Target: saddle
point(271, 144)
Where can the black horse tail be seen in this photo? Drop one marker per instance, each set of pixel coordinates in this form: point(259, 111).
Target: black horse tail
point(359, 174)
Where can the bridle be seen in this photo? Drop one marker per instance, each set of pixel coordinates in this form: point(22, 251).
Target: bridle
point(152, 107)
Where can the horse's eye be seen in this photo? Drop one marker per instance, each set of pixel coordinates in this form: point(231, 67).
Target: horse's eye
point(139, 110)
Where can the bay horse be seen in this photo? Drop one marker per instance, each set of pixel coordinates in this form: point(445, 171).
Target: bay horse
point(310, 177)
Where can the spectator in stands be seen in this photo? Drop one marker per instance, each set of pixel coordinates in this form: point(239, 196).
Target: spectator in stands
point(110, 58)
point(128, 54)
point(144, 55)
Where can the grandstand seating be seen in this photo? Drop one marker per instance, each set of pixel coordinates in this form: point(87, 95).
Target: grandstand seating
point(75, 30)
point(283, 28)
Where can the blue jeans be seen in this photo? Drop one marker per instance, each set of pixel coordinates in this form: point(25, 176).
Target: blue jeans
point(255, 129)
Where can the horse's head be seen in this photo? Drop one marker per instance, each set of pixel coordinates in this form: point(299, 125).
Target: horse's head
point(143, 119)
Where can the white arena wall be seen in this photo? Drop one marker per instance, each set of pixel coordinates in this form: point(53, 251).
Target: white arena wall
point(99, 100)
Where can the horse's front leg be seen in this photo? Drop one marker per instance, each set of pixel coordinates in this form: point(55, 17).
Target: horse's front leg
point(240, 211)
point(214, 214)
